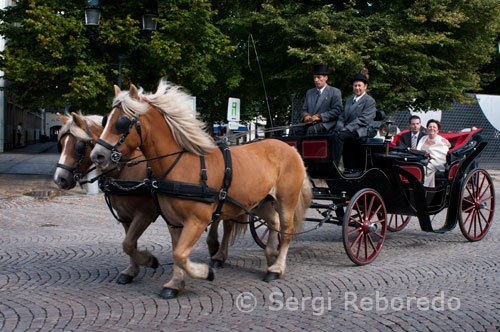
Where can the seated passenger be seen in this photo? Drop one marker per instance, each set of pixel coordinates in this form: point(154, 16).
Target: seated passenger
point(322, 105)
point(353, 122)
point(411, 138)
point(437, 147)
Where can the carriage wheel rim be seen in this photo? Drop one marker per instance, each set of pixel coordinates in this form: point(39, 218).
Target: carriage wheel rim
point(365, 229)
point(477, 205)
point(259, 232)
point(396, 222)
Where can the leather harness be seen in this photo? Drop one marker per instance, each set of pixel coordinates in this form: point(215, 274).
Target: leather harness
point(154, 186)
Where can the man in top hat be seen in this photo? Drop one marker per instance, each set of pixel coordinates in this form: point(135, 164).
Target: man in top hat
point(322, 106)
point(353, 122)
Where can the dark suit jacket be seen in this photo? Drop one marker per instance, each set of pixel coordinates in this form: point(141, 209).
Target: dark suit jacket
point(329, 105)
point(405, 139)
point(356, 117)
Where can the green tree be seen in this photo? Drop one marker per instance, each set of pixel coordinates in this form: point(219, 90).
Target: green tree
point(422, 54)
point(53, 59)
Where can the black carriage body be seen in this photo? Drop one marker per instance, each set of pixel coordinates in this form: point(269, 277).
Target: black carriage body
point(396, 174)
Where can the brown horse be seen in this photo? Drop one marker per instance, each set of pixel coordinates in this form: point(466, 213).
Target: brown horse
point(136, 212)
point(268, 177)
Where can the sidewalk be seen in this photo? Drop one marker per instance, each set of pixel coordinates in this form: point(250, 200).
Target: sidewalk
point(39, 159)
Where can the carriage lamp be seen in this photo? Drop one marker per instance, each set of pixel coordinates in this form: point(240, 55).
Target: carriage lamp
point(148, 22)
point(388, 129)
point(92, 13)
point(93, 16)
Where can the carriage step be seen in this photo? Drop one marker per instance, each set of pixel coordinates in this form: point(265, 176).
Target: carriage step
point(352, 173)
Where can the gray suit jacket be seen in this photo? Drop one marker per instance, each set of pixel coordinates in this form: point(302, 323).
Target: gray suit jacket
point(329, 105)
point(357, 116)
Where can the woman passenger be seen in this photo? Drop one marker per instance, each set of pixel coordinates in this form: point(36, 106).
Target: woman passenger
point(437, 147)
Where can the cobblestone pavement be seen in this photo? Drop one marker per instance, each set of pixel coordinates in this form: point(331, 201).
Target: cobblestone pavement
point(60, 257)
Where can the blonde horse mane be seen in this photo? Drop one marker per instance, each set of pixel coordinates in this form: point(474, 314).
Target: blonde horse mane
point(79, 133)
point(176, 107)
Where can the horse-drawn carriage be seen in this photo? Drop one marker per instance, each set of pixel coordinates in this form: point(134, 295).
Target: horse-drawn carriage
point(387, 189)
point(188, 180)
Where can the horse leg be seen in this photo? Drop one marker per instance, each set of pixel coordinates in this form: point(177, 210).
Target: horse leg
point(213, 238)
point(266, 211)
point(134, 230)
point(127, 275)
point(190, 234)
point(287, 227)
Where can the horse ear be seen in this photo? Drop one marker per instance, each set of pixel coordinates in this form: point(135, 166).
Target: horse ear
point(78, 120)
point(117, 90)
point(63, 118)
point(133, 92)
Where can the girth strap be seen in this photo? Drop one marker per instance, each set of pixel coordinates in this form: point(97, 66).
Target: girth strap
point(226, 182)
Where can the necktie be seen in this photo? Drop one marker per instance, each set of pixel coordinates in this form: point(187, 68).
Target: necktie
point(414, 141)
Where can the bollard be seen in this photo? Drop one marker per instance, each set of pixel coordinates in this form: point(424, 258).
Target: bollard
point(92, 188)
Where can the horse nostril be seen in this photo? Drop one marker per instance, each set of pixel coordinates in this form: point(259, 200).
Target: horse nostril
point(99, 159)
point(63, 183)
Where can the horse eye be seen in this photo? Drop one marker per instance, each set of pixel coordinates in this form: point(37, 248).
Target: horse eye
point(104, 120)
point(122, 124)
point(80, 147)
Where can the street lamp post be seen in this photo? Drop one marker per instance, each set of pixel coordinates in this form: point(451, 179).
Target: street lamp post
point(93, 18)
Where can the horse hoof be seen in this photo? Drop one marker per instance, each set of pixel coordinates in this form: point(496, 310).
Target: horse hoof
point(211, 274)
point(155, 263)
point(124, 279)
point(169, 293)
point(270, 276)
point(216, 264)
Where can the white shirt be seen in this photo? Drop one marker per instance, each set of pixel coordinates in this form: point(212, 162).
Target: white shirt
point(355, 99)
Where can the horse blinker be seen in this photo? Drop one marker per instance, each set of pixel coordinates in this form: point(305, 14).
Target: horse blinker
point(122, 124)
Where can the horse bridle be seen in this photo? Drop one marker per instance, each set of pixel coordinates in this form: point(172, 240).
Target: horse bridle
point(122, 125)
point(81, 150)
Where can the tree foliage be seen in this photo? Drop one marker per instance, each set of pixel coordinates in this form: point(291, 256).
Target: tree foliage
point(422, 54)
point(53, 59)
point(417, 53)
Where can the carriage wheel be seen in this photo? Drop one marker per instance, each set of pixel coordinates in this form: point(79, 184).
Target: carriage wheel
point(477, 205)
point(260, 232)
point(364, 226)
point(397, 222)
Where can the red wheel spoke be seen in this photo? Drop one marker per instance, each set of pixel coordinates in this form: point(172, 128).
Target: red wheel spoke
point(264, 234)
point(356, 221)
point(378, 221)
point(374, 213)
point(260, 225)
point(468, 209)
point(378, 234)
point(473, 214)
point(480, 196)
point(359, 244)
point(485, 199)
point(365, 238)
point(370, 207)
point(356, 239)
point(354, 231)
point(371, 242)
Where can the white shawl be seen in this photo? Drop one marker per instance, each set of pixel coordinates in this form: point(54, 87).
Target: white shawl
point(437, 151)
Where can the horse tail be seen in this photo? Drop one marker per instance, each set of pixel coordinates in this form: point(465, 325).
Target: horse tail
point(237, 229)
point(305, 199)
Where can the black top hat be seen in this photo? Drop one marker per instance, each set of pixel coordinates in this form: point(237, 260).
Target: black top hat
point(359, 77)
point(320, 69)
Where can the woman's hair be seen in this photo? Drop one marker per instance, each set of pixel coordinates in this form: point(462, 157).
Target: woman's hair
point(438, 124)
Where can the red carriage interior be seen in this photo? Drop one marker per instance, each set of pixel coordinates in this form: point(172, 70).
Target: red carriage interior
point(456, 139)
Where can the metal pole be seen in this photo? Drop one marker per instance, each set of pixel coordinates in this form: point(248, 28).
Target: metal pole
point(120, 61)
